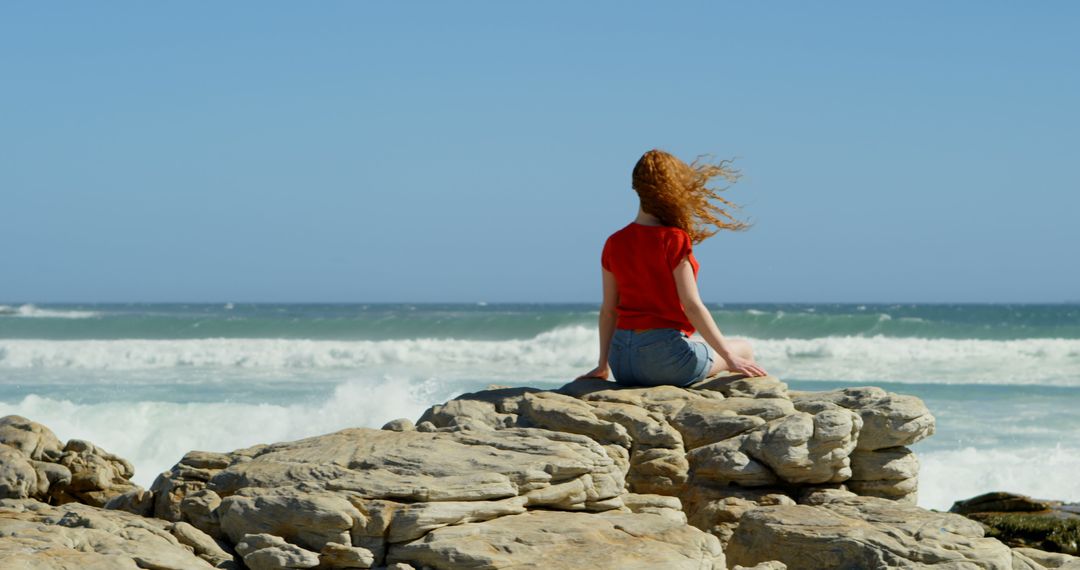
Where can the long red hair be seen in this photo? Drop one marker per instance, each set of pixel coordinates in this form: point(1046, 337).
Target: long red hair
point(679, 194)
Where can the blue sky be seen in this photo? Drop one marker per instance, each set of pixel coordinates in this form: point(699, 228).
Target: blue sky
point(481, 151)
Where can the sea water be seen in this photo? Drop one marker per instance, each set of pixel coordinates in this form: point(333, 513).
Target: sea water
point(150, 382)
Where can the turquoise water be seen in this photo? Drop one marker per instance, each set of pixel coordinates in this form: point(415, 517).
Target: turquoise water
point(151, 381)
point(522, 321)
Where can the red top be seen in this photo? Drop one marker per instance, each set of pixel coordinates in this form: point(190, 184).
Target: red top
point(642, 258)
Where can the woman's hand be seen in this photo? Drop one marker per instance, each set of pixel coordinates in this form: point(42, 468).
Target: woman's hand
point(745, 366)
point(601, 372)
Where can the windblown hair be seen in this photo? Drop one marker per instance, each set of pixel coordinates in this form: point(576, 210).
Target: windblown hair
point(679, 194)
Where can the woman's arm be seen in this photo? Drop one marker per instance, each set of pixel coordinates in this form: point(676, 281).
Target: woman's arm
point(606, 324)
point(702, 320)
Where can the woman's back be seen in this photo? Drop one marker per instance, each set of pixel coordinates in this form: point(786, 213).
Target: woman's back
point(642, 259)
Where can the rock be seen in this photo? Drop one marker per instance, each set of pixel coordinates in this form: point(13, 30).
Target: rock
point(807, 448)
point(770, 565)
point(268, 552)
point(400, 424)
point(96, 475)
point(581, 541)
point(1023, 522)
point(717, 510)
point(561, 413)
point(309, 519)
point(18, 478)
point(1000, 502)
point(662, 505)
point(889, 420)
point(1024, 558)
point(31, 438)
point(657, 470)
point(40, 536)
point(204, 546)
point(863, 532)
point(739, 386)
point(136, 500)
point(725, 463)
point(33, 464)
point(345, 556)
point(891, 473)
point(707, 421)
point(363, 488)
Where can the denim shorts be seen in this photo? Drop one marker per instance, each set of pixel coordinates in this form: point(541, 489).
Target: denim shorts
point(658, 356)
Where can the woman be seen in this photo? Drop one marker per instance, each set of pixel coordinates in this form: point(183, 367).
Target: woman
point(651, 304)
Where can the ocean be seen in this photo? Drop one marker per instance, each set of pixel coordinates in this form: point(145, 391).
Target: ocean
point(150, 382)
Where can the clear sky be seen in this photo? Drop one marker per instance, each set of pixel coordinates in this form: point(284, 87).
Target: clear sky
point(481, 151)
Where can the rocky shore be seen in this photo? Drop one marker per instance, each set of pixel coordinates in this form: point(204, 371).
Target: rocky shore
point(729, 473)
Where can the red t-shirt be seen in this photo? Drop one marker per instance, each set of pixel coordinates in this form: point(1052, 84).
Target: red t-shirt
point(642, 258)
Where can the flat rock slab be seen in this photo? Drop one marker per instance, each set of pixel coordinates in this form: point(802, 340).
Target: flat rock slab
point(417, 466)
point(37, 536)
point(864, 533)
point(551, 539)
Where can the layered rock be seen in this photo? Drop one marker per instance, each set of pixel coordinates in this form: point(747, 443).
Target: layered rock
point(863, 532)
point(362, 497)
point(44, 537)
point(724, 445)
point(590, 475)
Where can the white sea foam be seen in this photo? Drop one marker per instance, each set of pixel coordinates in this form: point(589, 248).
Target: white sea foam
point(1042, 472)
point(154, 435)
point(32, 311)
point(1023, 361)
point(566, 350)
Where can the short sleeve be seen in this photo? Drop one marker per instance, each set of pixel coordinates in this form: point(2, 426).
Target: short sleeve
point(605, 256)
point(679, 247)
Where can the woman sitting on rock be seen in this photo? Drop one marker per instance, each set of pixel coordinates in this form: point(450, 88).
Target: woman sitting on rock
point(651, 304)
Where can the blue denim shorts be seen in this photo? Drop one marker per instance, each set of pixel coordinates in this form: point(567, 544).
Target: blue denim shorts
point(658, 356)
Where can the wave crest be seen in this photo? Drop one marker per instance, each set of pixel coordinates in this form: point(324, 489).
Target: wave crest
point(567, 350)
point(29, 310)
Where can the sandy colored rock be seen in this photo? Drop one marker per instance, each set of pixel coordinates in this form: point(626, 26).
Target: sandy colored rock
point(770, 565)
point(308, 519)
point(1039, 559)
point(566, 414)
point(889, 420)
point(805, 448)
point(582, 541)
point(725, 463)
point(31, 438)
point(18, 478)
point(400, 424)
point(269, 552)
point(657, 470)
point(717, 510)
point(706, 421)
point(345, 556)
point(39, 536)
point(863, 532)
point(739, 386)
point(892, 463)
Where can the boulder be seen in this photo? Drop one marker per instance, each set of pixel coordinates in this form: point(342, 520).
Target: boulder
point(863, 532)
point(31, 438)
point(552, 539)
point(40, 536)
point(34, 464)
point(889, 420)
point(1023, 522)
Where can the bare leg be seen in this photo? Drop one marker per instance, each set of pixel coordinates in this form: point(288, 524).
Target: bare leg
point(738, 346)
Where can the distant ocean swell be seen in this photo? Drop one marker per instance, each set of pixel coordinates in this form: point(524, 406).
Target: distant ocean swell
point(566, 350)
point(522, 322)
